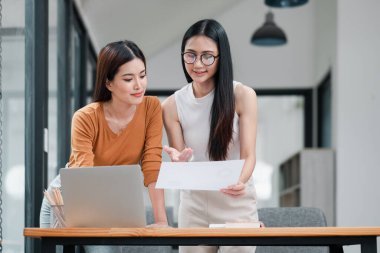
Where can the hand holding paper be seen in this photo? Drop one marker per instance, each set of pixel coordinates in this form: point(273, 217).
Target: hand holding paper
point(236, 190)
point(211, 176)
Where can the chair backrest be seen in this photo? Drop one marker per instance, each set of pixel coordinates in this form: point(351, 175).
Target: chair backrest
point(292, 217)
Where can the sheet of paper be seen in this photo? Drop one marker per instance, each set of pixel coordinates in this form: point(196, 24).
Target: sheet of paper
point(236, 225)
point(211, 176)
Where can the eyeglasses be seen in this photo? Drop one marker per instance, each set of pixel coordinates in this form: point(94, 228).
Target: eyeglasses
point(206, 59)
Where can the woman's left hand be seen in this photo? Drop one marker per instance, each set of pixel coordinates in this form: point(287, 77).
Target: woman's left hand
point(158, 225)
point(236, 190)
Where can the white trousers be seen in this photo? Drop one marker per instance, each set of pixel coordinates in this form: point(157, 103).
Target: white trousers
point(201, 208)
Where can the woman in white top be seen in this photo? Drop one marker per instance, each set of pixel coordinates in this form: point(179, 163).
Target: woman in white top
point(212, 118)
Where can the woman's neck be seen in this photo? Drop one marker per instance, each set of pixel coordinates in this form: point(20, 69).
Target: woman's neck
point(202, 89)
point(117, 110)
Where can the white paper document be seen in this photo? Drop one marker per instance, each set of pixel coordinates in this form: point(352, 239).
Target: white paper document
point(211, 176)
point(236, 225)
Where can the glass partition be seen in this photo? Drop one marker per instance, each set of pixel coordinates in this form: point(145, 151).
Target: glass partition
point(53, 84)
point(13, 125)
point(280, 134)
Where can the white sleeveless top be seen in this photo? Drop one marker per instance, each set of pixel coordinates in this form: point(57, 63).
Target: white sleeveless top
point(194, 117)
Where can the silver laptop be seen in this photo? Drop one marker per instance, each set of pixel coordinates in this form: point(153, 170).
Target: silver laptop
point(104, 196)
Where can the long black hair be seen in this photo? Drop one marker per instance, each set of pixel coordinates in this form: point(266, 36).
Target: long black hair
point(223, 106)
point(110, 58)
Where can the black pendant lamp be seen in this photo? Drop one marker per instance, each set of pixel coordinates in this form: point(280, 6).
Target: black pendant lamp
point(269, 34)
point(285, 3)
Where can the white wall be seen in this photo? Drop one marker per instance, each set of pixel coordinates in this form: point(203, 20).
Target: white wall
point(325, 38)
point(347, 41)
point(290, 65)
point(287, 66)
point(357, 113)
point(164, 69)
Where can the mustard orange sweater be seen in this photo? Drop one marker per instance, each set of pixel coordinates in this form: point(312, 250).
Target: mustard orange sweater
point(94, 144)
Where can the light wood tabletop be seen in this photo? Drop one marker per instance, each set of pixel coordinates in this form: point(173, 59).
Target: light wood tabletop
point(203, 232)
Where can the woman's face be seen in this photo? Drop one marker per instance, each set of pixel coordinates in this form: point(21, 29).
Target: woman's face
point(200, 71)
point(129, 83)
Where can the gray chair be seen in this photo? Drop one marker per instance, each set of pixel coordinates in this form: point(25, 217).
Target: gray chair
point(293, 217)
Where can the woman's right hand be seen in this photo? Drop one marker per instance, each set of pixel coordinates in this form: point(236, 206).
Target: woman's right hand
point(176, 156)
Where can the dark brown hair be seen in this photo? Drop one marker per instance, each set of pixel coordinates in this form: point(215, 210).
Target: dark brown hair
point(223, 106)
point(110, 58)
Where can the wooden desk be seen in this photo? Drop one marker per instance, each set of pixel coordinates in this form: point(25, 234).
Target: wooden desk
point(306, 236)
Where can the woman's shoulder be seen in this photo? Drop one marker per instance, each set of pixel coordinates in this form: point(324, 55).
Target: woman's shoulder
point(245, 98)
point(151, 101)
point(242, 91)
point(88, 117)
point(151, 104)
point(168, 102)
point(184, 89)
point(90, 111)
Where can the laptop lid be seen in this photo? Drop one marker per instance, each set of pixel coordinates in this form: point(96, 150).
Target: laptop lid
point(103, 196)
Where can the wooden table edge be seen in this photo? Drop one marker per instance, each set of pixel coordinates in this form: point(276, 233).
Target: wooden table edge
point(203, 232)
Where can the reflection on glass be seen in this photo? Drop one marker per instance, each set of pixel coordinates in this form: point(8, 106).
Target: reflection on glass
point(263, 180)
point(13, 125)
point(14, 181)
point(75, 71)
point(53, 84)
point(91, 72)
point(280, 133)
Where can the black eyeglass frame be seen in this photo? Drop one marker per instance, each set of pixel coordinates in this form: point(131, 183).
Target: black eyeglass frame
point(196, 57)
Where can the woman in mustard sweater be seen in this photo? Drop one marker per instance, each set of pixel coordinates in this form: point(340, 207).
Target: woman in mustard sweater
point(121, 126)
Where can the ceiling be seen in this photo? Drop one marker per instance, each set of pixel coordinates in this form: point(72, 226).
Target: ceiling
point(157, 27)
point(152, 24)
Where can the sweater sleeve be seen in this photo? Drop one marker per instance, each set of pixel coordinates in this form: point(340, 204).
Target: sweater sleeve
point(82, 136)
point(152, 152)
